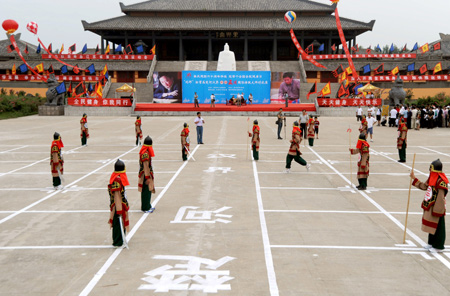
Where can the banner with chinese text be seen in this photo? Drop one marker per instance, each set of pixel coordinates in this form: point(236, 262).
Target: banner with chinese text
point(124, 57)
point(347, 102)
point(26, 77)
point(99, 102)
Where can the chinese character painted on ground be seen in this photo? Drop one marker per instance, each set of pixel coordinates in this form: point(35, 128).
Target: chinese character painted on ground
point(220, 155)
point(191, 215)
point(189, 275)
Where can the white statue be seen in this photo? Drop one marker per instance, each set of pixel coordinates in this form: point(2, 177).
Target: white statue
point(227, 61)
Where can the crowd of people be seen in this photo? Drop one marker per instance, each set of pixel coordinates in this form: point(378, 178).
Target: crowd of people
point(417, 117)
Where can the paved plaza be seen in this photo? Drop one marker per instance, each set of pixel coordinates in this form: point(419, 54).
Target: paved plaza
point(223, 224)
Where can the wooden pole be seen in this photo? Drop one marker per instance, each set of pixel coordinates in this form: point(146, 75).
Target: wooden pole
point(350, 146)
point(409, 197)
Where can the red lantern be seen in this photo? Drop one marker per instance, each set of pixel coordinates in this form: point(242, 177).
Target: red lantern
point(10, 26)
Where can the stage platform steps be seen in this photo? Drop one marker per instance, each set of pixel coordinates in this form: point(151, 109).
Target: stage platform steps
point(149, 109)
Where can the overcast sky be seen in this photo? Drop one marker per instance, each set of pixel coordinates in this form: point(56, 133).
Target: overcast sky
point(397, 21)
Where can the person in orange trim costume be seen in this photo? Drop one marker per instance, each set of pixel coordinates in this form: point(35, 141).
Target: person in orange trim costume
point(185, 141)
point(401, 140)
point(364, 126)
point(56, 160)
point(255, 139)
point(146, 178)
point(84, 130)
point(138, 129)
point(362, 147)
point(433, 205)
point(118, 202)
point(311, 130)
point(294, 150)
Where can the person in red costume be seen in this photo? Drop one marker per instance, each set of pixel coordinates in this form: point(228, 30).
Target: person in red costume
point(56, 160)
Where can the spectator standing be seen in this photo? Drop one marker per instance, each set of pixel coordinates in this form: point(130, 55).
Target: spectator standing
point(196, 101)
point(250, 99)
point(392, 117)
point(371, 110)
point(213, 101)
point(414, 117)
point(378, 113)
point(359, 113)
point(303, 119)
point(199, 123)
point(370, 123)
point(279, 121)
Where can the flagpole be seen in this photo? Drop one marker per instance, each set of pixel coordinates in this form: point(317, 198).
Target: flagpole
point(349, 147)
point(409, 197)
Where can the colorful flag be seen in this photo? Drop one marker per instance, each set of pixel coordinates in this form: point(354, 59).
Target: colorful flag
point(128, 49)
point(404, 48)
point(378, 48)
point(107, 49)
point(355, 49)
point(80, 89)
point(62, 49)
point(423, 69)
point(437, 46)
point(38, 49)
point(411, 67)
point(40, 68)
point(118, 49)
point(379, 70)
point(50, 69)
point(60, 89)
point(333, 47)
point(72, 48)
point(391, 50)
point(26, 49)
point(309, 49)
point(91, 69)
point(99, 91)
point(140, 49)
point(104, 71)
point(369, 50)
point(64, 69)
point(76, 70)
point(13, 71)
point(325, 91)
point(342, 91)
point(322, 47)
point(10, 48)
point(153, 50)
point(84, 50)
point(349, 70)
point(416, 47)
point(437, 68)
point(69, 91)
point(97, 50)
point(344, 76)
point(424, 48)
point(356, 88)
point(49, 48)
point(395, 71)
point(366, 69)
point(313, 90)
point(338, 71)
point(23, 68)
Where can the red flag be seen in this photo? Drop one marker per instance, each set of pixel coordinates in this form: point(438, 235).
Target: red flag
point(423, 69)
point(70, 89)
point(437, 46)
point(26, 49)
point(50, 48)
point(309, 49)
point(344, 43)
point(333, 47)
point(369, 50)
point(50, 69)
point(313, 90)
point(355, 49)
point(338, 71)
point(342, 91)
point(97, 50)
point(128, 49)
point(379, 70)
point(10, 48)
point(72, 48)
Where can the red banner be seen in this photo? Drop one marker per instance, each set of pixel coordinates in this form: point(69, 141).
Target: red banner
point(344, 43)
point(365, 56)
point(25, 77)
point(14, 43)
point(125, 57)
point(403, 77)
point(348, 102)
point(303, 53)
point(99, 102)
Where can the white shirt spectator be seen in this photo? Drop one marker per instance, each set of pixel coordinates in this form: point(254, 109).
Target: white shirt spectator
point(370, 121)
point(371, 110)
point(393, 113)
point(379, 111)
point(360, 111)
point(198, 121)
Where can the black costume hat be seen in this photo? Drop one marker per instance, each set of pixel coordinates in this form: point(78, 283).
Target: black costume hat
point(148, 141)
point(56, 136)
point(295, 123)
point(255, 121)
point(436, 166)
point(362, 136)
point(185, 125)
point(119, 166)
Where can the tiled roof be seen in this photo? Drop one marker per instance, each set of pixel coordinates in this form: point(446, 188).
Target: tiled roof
point(112, 65)
point(227, 5)
point(311, 23)
point(21, 44)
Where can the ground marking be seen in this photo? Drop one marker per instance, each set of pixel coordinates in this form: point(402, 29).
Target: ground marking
point(130, 235)
point(343, 189)
point(339, 212)
point(434, 151)
point(214, 169)
point(273, 286)
point(403, 249)
point(194, 216)
point(13, 149)
point(392, 218)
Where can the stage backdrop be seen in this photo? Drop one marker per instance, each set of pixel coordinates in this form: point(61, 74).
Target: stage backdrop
point(167, 87)
point(225, 84)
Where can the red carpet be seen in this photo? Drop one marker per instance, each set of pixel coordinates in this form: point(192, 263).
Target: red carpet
point(222, 107)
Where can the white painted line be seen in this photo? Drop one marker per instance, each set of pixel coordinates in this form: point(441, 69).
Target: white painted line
point(387, 214)
point(36, 162)
point(434, 151)
point(330, 173)
point(403, 164)
point(272, 278)
point(117, 252)
point(13, 149)
point(58, 191)
point(63, 190)
point(97, 173)
point(339, 212)
point(338, 189)
point(348, 248)
point(55, 247)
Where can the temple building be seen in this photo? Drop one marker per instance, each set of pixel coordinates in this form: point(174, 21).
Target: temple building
point(198, 29)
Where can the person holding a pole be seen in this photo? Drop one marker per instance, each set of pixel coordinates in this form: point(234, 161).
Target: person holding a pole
point(294, 150)
point(56, 160)
point(255, 139)
point(146, 184)
point(84, 135)
point(185, 141)
point(118, 204)
point(311, 130)
point(433, 205)
point(279, 122)
point(362, 147)
point(138, 130)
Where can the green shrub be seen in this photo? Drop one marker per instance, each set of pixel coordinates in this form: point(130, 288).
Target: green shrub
point(20, 104)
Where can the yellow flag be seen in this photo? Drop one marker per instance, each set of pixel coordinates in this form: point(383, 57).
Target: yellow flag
point(105, 69)
point(40, 68)
point(13, 71)
point(437, 68)
point(344, 76)
point(325, 91)
point(395, 71)
point(100, 90)
point(348, 70)
point(107, 50)
point(425, 48)
point(62, 49)
point(153, 50)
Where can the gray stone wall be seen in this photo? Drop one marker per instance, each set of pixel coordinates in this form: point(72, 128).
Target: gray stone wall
point(97, 111)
